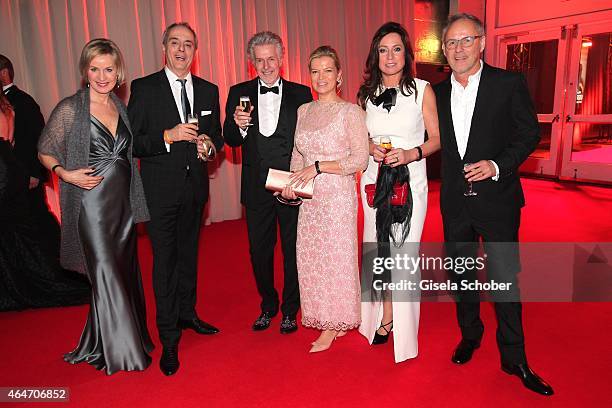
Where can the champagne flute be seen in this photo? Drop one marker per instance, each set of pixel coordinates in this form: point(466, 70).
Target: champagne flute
point(385, 142)
point(245, 104)
point(469, 192)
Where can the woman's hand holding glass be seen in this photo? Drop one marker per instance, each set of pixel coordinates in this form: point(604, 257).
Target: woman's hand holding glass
point(377, 152)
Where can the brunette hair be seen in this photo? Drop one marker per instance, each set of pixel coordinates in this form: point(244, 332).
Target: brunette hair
point(372, 76)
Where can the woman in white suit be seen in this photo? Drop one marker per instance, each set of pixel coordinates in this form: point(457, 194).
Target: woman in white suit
point(401, 107)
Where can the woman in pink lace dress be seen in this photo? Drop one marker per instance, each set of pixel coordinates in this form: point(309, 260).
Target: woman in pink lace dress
point(331, 144)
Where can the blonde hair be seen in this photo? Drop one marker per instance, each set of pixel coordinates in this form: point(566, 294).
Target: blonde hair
point(101, 46)
point(325, 51)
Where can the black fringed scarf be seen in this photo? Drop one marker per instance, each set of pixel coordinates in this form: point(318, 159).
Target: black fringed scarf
point(392, 222)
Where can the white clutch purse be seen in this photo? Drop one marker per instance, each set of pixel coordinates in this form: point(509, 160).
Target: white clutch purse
point(278, 179)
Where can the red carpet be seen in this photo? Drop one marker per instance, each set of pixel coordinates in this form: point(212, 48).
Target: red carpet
point(568, 344)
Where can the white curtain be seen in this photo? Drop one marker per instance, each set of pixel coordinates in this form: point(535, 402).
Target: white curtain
point(44, 39)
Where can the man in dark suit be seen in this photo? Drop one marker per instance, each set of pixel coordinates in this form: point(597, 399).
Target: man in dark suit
point(175, 180)
point(29, 123)
point(487, 120)
point(266, 136)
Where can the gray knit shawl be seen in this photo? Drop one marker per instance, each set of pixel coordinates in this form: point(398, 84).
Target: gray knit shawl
point(66, 137)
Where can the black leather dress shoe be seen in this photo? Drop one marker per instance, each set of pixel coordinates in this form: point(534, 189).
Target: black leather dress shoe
point(530, 379)
point(169, 363)
point(463, 352)
point(263, 321)
point(198, 326)
point(288, 325)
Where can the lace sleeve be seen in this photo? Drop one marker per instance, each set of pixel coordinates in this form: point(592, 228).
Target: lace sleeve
point(52, 141)
point(297, 160)
point(355, 126)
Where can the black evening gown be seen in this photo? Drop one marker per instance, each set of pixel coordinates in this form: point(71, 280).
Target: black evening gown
point(29, 275)
point(115, 335)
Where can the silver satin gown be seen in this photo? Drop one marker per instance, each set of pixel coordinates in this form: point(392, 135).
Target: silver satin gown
point(115, 335)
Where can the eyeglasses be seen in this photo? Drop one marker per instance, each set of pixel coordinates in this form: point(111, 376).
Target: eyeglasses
point(466, 42)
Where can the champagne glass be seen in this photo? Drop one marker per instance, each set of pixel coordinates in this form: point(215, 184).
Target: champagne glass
point(385, 142)
point(193, 119)
point(469, 192)
point(245, 104)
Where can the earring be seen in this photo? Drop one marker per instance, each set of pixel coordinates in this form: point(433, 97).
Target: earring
point(88, 84)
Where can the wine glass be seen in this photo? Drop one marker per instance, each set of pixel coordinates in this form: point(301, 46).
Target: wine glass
point(469, 192)
point(245, 104)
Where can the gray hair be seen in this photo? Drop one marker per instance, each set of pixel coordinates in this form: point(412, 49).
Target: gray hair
point(463, 16)
point(181, 24)
point(265, 38)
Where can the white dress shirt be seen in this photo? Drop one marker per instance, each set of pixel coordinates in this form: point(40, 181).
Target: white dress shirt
point(176, 88)
point(269, 108)
point(463, 101)
point(5, 87)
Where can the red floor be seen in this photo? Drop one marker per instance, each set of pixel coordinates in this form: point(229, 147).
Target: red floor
point(568, 344)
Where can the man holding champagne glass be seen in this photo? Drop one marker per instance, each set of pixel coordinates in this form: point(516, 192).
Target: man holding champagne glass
point(175, 121)
point(261, 116)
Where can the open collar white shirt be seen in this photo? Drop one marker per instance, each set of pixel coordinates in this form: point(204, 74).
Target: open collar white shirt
point(463, 101)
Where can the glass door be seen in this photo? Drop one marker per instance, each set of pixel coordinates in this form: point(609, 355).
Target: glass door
point(587, 138)
point(569, 74)
point(540, 56)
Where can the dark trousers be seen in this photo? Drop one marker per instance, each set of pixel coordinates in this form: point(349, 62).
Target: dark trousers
point(174, 231)
point(261, 226)
point(462, 235)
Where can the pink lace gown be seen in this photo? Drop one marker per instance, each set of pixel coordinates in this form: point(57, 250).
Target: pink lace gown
point(327, 240)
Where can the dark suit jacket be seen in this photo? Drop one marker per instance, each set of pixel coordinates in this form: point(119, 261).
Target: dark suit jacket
point(29, 123)
point(254, 165)
point(504, 129)
point(152, 110)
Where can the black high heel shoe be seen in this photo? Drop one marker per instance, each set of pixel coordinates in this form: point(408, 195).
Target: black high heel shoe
point(382, 338)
